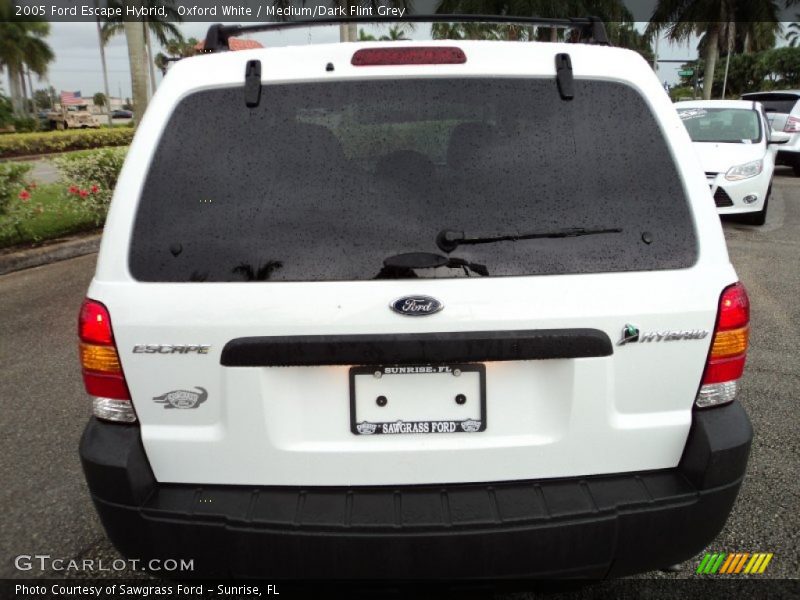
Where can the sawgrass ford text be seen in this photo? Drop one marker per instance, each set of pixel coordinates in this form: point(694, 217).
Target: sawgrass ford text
point(144, 590)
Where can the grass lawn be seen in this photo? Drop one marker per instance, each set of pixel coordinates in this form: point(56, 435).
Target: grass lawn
point(56, 220)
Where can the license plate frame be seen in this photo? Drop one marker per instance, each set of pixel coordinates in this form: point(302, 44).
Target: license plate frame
point(434, 426)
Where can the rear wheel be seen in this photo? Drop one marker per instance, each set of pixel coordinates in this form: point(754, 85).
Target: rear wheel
point(760, 217)
point(796, 166)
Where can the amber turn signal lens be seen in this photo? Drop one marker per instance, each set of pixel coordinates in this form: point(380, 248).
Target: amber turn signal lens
point(730, 343)
point(99, 358)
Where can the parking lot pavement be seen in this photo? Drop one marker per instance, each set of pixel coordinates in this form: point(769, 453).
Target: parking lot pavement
point(44, 500)
point(46, 508)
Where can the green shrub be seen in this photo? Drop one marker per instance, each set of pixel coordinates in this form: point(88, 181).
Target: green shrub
point(24, 144)
point(12, 181)
point(91, 177)
point(26, 124)
point(16, 208)
point(41, 214)
point(6, 112)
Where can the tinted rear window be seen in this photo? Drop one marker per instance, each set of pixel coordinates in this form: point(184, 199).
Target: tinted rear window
point(780, 103)
point(324, 181)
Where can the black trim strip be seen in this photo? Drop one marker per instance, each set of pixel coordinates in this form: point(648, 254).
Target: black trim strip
point(422, 348)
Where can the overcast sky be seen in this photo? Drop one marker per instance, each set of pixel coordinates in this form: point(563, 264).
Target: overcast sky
point(77, 64)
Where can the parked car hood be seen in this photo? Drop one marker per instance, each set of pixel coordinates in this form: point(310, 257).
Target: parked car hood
point(718, 157)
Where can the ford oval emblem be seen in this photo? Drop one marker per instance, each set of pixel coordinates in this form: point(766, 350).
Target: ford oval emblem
point(416, 306)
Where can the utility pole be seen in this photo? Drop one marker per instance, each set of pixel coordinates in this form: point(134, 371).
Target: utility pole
point(727, 63)
point(33, 97)
point(105, 70)
point(51, 92)
point(725, 79)
point(655, 55)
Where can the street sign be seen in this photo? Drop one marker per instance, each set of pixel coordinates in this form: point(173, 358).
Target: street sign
point(686, 72)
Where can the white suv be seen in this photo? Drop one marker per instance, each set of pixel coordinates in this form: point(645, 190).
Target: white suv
point(783, 111)
point(440, 309)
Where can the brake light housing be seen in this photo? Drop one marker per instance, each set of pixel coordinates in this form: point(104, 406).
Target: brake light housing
point(792, 125)
point(728, 352)
point(411, 55)
point(102, 372)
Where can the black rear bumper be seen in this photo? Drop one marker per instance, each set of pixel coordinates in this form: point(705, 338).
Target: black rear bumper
point(580, 527)
point(787, 157)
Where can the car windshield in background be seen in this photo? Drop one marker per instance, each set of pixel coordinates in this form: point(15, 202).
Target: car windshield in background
point(728, 125)
point(334, 180)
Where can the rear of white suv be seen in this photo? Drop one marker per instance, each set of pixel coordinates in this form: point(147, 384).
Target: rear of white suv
point(460, 310)
point(783, 111)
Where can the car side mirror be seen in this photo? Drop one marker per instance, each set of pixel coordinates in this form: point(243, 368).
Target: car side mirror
point(779, 137)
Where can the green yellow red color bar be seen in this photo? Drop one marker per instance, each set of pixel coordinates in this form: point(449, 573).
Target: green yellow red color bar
point(734, 563)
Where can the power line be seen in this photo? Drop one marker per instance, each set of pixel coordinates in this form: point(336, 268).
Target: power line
point(60, 70)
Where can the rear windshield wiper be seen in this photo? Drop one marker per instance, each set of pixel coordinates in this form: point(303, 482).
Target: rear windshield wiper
point(448, 240)
point(403, 265)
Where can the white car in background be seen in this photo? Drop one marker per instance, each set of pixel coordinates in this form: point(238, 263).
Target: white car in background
point(733, 141)
point(782, 108)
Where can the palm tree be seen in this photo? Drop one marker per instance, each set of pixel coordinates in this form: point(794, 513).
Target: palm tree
point(137, 57)
point(756, 36)
point(175, 50)
point(681, 19)
point(395, 34)
point(793, 37)
point(625, 35)
point(363, 36)
point(760, 23)
point(607, 10)
point(37, 53)
point(347, 31)
point(163, 28)
point(467, 31)
point(102, 45)
point(716, 22)
point(22, 45)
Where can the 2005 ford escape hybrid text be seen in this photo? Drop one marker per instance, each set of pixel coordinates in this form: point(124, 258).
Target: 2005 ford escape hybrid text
point(425, 309)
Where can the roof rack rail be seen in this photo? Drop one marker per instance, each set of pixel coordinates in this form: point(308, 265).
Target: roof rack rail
point(592, 30)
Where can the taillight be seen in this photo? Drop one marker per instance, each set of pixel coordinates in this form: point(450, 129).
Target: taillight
point(102, 372)
point(416, 55)
point(792, 125)
point(728, 349)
